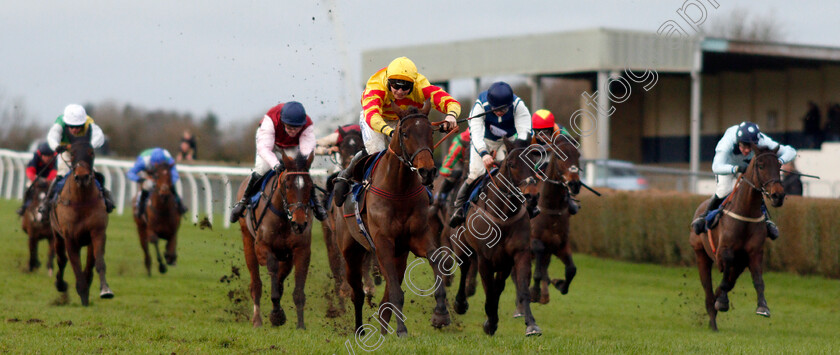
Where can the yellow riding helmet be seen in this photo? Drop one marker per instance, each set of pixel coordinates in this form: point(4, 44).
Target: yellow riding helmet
point(402, 68)
point(542, 119)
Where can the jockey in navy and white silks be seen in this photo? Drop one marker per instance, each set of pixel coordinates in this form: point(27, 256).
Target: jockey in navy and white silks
point(509, 118)
point(142, 170)
point(732, 155)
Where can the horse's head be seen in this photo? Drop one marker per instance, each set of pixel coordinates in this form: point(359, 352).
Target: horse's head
point(351, 143)
point(40, 187)
point(515, 167)
point(81, 159)
point(564, 164)
point(763, 173)
point(162, 177)
point(295, 189)
point(412, 137)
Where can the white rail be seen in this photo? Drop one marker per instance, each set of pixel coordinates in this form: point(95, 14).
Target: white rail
point(216, 181)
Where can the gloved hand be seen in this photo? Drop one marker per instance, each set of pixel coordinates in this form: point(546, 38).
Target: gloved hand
point(60, 149)
point(740, 169)
point(279, 167)
point(451, 122)
point(488, 161)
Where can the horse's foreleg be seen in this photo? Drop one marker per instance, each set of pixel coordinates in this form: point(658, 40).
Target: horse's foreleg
point(33, 251)
point(171, 255)
point(369, 287)
point(521, 278)
point(732, 268)
point(336, 267)
point(424, 248)
point(61, 251)
point(353, 258)
point(254, 270)
point(75, 262)
point(540, 276)
point(565, 255)
point(491, 303)
point(704, 266)
point(144, 244)
point(461, 304)
point(756, 270)
point(50, 255)
point(301, 259)
point(276, 269)
point(393, 297)
point(98, 244)
point(472, 279)
point(91, 259)
point(161, 265)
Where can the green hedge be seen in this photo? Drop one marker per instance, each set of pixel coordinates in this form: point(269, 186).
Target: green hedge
point(653, 226)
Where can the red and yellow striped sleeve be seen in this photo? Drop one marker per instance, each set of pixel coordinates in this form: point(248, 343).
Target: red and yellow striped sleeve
point(441, 99)
point(373, 101)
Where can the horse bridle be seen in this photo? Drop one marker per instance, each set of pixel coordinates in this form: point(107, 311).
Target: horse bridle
point(528, 181)
point(763, 188)
point(565, 183)
point(289, 208)
point(402, 156)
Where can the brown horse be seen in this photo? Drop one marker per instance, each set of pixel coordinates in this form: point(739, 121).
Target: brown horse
point(395, 214)
point(79, 219)
point(497, 236)
point(160, 219)
point(550, 229)
point(439, 223)
point(334, 229)
point(277, 234)
point(36, 226)
point(737, 242)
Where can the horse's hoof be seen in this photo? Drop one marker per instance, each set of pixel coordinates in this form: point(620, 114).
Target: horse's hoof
point(85, 302)
point(257, 322)
point(278, 317)
point(544, 299)
point(301, 327)
point(162, 268)
point(402, 333)
point(106, 294)
point(461, 307)
point(535, 296)
point(532, 330)
point(34, 265)
point(440, 320)
point(721, 306)
point(490, 329)
point(763, 311)
point(61, 286)
point(561, 286)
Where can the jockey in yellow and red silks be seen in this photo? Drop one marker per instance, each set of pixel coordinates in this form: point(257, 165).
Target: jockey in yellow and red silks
point(398, 83)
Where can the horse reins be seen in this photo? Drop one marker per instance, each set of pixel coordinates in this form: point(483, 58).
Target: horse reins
point(763, 189)
point(402, 155)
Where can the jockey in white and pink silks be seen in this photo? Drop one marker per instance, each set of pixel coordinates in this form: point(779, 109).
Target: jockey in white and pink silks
point(285, 127)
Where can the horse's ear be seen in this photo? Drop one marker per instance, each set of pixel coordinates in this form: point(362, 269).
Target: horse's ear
point(427, 107)
point(508, 144)
point(400, 112)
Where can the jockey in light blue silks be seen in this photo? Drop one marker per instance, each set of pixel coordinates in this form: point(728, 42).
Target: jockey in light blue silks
point(141, 173)
point(732, 156)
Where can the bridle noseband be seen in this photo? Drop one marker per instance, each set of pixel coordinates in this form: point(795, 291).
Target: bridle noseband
point(289, 208)
point(763, 187)
point(408, 161)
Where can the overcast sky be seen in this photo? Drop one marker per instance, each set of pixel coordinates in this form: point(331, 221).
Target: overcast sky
point(239, 58)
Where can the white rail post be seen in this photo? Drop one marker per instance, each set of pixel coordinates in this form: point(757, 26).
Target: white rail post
point(193, 196)
point(208, 197)
point(120, 191)
point(10, 176)
point(228, 200)
point(22, 181)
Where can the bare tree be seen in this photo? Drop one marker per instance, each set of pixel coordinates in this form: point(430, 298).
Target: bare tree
point(741, 24)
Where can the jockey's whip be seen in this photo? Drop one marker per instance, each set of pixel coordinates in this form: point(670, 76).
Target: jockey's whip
point(590, 189)
point(800, 174)
point(485, 113)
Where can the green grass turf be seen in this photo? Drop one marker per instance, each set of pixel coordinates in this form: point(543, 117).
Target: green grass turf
point(200, 306)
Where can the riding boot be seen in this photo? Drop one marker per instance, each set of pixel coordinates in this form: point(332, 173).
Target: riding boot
point(342, 181)
point(250, 188)
point(317, 208)
point(141, 203)
point(106, 195)
point(699, 224)
point(772, 230)
point(460, 215)
point(445, 188)
point(181, 208)
point(51, 195)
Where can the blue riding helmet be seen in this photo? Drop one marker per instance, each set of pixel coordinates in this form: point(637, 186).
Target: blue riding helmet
point(748, 132)
point(158, 156)
point(293, 114)
point(499, 94)
point(44, 149)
